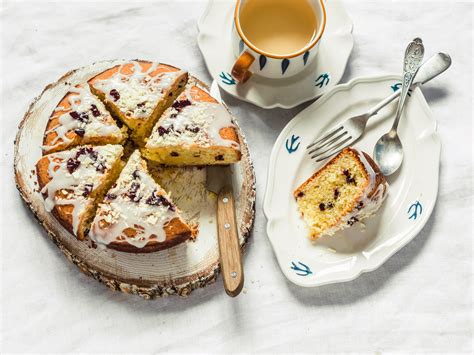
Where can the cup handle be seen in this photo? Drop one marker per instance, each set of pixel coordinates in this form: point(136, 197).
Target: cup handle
point(240, 70)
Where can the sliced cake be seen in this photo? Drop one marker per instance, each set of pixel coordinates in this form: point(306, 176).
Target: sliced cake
point(80, 118)
point(348, 189)
point(138, 92)
point(137, 215)
point(195, 130)
point(72, 181)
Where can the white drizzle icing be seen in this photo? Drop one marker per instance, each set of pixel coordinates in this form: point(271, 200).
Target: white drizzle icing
point(139, 92)
point(81, 101)
point(125, 211)
point(370, 204)
point(206, 118)
point(73, 185)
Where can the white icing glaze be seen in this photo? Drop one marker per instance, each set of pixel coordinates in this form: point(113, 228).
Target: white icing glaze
point(81, 101)
point(197, 124)
point(370, 204)
point(126, 210)
point(139, 91)
point(73, 185)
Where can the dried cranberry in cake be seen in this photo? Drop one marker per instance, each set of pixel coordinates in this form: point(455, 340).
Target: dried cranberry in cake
point(162, 130)
point(95, 111)
point(80, 132)
point(351, 187)
point(140, 217)
point(87, 189)
point(115, 94)
point(72, 164)
point(179, 105)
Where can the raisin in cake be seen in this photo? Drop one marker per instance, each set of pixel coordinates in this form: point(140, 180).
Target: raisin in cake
point(72, 181)
point(195, 130)
point(137, 215)
point(138, 92)
point(80, 118)
point(348, 189)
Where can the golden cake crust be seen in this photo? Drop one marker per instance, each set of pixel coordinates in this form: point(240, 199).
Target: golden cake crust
point(176, 232)
point(63, 213)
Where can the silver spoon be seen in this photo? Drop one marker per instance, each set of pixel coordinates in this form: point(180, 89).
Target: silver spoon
point(388, 151)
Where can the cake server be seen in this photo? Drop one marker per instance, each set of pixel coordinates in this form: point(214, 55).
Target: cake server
point(219, 181)
point(350, 130)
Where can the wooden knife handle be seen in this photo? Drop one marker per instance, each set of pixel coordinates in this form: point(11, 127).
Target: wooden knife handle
point(229, 245)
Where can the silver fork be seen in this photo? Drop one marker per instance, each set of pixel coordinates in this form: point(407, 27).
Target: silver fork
point(347, 132)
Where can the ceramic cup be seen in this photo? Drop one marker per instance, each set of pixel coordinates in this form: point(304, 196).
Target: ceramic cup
point(254, 61)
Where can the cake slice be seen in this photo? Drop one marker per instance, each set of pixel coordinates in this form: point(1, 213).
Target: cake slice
point(80, 118)
point(138, 92)
point(195, 130)
point(137, 215)
point(72, 181)
point(348, 189)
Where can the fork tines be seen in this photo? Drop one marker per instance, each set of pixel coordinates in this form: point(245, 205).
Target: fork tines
point(334, 141)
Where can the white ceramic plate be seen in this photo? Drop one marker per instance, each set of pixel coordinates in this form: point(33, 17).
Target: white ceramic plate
point(412, 193)
point(214, 40)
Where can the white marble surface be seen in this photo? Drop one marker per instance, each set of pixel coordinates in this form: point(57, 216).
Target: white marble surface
point(420, 300)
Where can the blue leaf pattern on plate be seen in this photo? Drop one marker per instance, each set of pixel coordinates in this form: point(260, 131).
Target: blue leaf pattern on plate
point(415, 210)
point(301, 269)
point(284, 65)
point(323, 80)
point(263, 61)
point(291, 145)
point(305, 57)
point(227, 78)
point(397, 86)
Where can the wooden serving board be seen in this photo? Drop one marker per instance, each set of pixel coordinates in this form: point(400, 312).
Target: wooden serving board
point(178, 270)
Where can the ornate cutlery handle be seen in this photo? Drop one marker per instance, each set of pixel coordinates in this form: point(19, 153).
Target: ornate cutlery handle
point(413, 57)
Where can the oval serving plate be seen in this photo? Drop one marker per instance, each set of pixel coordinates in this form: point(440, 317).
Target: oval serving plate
point(177, 270)
point(412, 194)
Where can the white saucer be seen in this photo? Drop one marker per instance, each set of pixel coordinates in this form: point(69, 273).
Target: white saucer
point(214, 40)
point(412, 193)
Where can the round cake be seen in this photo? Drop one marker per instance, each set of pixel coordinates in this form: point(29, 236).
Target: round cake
point(103, 191)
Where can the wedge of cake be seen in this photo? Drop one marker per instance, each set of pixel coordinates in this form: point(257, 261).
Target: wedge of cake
point(348, 189)
point(72, 181)
point(80, 118)
point(195, 130)
point(138, 92)
point(137, 215)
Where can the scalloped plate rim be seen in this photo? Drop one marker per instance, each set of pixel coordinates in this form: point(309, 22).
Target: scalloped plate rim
point(403, 241)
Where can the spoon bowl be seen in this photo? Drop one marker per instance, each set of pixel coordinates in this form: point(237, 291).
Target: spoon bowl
point(388, 152)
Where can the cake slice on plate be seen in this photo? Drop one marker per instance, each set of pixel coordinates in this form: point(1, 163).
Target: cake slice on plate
point(72, 181)
point(80, 118)
point(195, 130)
point(348, 189)
point(138, 92)
point(137, 215)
